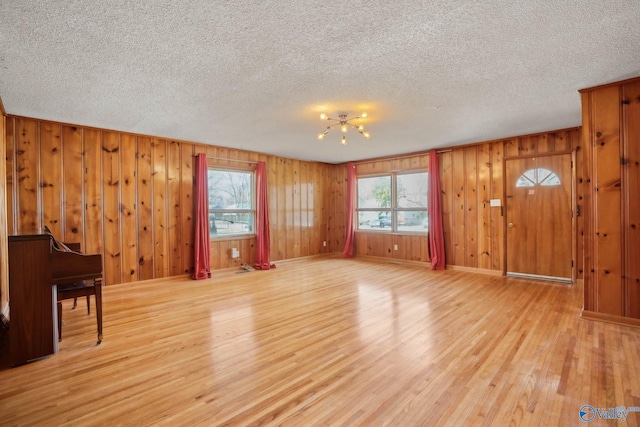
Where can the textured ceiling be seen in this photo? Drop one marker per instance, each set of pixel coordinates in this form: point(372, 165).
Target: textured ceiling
point(257, 74)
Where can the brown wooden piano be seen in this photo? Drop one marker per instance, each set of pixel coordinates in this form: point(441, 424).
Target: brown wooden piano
point(35, 265)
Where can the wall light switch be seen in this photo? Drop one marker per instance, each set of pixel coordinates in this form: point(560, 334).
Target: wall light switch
point(395, 247)
point(324, 243)
point(496, 202)
point(235, 253)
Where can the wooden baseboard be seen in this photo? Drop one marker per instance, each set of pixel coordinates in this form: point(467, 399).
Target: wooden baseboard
point(610, 318)
point(319, 256)
point(428, 265)
point(385, 260)
point(475, 270)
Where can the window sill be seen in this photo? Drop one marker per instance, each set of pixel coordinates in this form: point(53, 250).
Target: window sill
point(232, 237)
point(397, 233)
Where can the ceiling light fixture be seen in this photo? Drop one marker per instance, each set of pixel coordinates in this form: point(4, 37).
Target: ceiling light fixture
point(344, 123)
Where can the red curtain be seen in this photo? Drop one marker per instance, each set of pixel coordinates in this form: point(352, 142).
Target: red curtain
point(202, 260)
point(263, 251)
point(351, 210)
point(436, 235)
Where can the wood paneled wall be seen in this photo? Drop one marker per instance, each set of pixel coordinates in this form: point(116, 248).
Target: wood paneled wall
point(4, 258)
point(611, 131)
point(473, 175)
point(470, 177)
point(130, 197)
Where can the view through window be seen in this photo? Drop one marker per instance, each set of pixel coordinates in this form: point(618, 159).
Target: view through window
point(231, 202)
point(393, 202)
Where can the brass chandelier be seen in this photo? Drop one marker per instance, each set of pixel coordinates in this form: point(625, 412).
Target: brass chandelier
point(344, 123)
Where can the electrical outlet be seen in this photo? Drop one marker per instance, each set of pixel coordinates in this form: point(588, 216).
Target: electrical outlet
point(324, 243)
point(395, 247)
point(235, 253)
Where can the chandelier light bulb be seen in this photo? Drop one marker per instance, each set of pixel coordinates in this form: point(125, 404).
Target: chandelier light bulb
point(363, 115)
point(360, 128)
point(344, 140)
point(344, 128)
point(366, 135)
point(321, 136)
point(323, 116)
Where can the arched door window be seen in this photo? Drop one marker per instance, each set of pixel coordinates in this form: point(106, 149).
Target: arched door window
point(538, 176)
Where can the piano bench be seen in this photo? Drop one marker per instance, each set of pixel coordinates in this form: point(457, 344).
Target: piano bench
point(81, 289)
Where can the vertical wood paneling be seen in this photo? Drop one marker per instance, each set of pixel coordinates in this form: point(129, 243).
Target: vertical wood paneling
point(307, 202)
point(160, 208)
point(313, 215)
point(72, 184)
point(497, 218)
point(10, 165)
point(295, 208)
point(304, 208)
point(588, 138)
point(542, 145)
point(527, 145)
point(470, 177)
point(128, 209)
point(26, 154)
point(93, 238)
point(112, 254)
point(632, 193)
point(471, 207)
point(485, 254)
point(4, 227)
point(173, 203)
point(607, 178)
point(281, 234)
point(145, 209)
point(562, 141)
point(338, 213)
point(459, 198)
point(50, 181)
point(511, 147)
point(130, 198)
point(611, 175)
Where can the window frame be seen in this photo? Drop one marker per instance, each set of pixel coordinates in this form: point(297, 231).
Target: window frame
point(393, 209)
point(251, 211)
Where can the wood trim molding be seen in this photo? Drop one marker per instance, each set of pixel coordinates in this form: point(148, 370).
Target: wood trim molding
point(617, 83)
point(475, 270)
point(428, 265)
point(451, 147)
point(531, 156)
point(385, 260)
point(2, 110)
point(610, 318)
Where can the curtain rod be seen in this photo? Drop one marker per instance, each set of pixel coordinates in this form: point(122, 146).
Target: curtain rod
point(230, 160)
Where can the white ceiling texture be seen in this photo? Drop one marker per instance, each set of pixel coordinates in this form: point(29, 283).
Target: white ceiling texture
point(256, 74)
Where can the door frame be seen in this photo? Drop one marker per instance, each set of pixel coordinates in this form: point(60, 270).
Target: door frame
point(574, 238)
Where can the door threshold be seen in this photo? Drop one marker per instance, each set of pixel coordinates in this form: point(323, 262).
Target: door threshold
point(540, 277)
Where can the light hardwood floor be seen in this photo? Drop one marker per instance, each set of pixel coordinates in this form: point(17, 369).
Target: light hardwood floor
point(328, 341)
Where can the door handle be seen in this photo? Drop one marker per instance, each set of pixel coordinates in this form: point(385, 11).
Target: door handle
point(510, 225)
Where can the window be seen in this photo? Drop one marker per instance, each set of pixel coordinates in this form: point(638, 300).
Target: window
point(539, 176)
point(394, 202)
point(231, 202)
